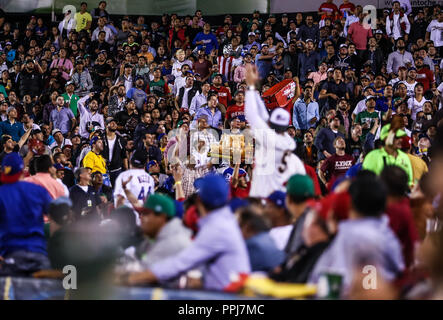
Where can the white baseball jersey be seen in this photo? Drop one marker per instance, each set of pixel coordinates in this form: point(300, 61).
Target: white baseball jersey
point(141, 185)
point(275, 161)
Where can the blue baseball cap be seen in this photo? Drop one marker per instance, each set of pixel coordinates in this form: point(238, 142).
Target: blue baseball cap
point(150, 164)
point(212, 190)
point(12, 167)
point(94, 140)
point(277, 198)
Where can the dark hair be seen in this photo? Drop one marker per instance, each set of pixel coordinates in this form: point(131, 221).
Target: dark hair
point(255, 222)
point(43, 163)
point(395, 180)
point(368, 195)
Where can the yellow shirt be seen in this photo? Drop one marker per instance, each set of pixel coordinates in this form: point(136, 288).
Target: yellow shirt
point(82, 20)
point(94, 161)
point(419, 167)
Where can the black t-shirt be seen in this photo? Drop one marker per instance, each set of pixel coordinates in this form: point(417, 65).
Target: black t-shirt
point(338, 89)
point(354, 148)
point(129, 122)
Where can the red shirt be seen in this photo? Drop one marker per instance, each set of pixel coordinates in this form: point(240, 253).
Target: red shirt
point(345, 6)
point(330, 8)
point(402, 223)
point(425, 77)
point(236, 111)
point(360, 33)
point(180, 35)
point(224, 95)
point(240, 192)
point(336, 166)
point(310, 171)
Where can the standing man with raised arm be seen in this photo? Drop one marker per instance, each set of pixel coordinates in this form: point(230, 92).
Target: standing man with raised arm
point(275, 161)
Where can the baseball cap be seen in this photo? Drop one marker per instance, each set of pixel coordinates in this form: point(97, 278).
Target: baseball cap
point(160, 203)
point(150, 164)
point(139, 77)
point(109, 120)
point(309, 40)
point(12, 167)
point(280, 119)
point(277, 198)
point(212, 190)
point(139, 158)
point(8, 43)
point(378, 32)
point(412, 68)
point(300, 185)
point(370, 97)
point(405, 142)
point(284, 15)
point(59, 167)
point(55, 131)
point(343, 45)
point(94, 140)
point(330, 70)
point(68, 83)
point(35, 131)
point(251, 34)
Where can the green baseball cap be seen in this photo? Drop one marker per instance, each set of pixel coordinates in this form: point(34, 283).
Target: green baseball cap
point(385, 131)
point(160, 203)
point(301, 186)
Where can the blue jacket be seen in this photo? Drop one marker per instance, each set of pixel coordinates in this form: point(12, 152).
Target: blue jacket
point(22, 205)
point(14, 130)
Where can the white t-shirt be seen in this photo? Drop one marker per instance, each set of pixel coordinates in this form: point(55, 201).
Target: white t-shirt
point(410, 87)
point(141, 185)
point(361, 106)
point(416, 106)
point(436, 30)
point(280, 235)
point(111, 144)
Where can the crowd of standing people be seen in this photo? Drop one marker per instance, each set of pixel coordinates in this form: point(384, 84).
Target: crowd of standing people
point(110, 121)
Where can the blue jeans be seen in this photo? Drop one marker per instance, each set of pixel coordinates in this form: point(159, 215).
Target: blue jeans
point(23, 263)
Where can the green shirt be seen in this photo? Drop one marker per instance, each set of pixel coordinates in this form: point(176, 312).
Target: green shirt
point(375, 162)
point(72, 102)
point(366, 117)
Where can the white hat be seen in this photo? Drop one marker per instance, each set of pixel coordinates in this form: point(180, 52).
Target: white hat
point(280, 119)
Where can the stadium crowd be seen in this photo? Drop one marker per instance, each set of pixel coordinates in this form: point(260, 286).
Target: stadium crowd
point(110, 122)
